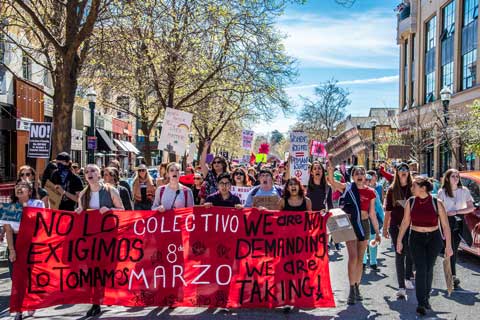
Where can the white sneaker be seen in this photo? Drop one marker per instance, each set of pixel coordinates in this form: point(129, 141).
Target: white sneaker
point(31, 313)
point(409, 285)
point(401, 293)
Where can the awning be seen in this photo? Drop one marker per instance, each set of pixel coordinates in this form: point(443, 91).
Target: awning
point(121, 144)
point(107, 140)
point(131, 147)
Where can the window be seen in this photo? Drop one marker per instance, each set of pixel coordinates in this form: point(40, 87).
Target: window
point(412, 67)
point(431, 27)
point(448, 30)
point(405, 73)
point(27, 67)
point(469, 43)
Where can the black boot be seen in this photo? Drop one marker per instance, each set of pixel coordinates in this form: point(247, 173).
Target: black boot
point(351, 296)
point(94, 310)
point(358, 296)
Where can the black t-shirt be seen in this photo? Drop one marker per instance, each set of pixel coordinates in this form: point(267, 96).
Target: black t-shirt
point(73, 184)
point(217, 200)
point(196, 195)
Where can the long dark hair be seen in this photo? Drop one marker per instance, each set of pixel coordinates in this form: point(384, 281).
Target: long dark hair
point(446, 182)
point(323, 180)
point(396, 187)
point(223, 161)
point(246, 178)
point(301, 188)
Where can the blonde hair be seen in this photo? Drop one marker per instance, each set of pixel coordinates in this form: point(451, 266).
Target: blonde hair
point(87, 192)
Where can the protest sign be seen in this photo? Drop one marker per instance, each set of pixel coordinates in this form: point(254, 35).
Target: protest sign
point(11, 213)
point(39, 141)
point(269, 202)
point(318, 149)
point(260, 157)
point(217, 257)
point(241, 192)
point(299, 156)
point(175, 131)
point(54, 196)
point(247, 138)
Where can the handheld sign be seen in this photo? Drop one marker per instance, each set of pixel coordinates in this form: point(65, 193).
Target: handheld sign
point(39, 141)
point(54, 196)
point(299, 156)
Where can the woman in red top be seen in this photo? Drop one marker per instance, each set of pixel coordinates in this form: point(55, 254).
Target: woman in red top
point(364, 202)
point(422, 215)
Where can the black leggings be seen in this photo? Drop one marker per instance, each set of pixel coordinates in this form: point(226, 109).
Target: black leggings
point(403, 261)
point(455, 229)
point(425, 247)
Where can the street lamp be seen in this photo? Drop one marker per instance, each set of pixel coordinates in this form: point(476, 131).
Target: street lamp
point(373, 124)
point(445, 96)
point(91, 146)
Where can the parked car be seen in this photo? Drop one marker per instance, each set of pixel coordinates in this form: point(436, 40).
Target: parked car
point(471, 180)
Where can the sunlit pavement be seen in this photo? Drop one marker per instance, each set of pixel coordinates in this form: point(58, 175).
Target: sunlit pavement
point(378, 288)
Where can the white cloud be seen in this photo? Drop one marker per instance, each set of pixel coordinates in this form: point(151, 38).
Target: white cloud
point(358, 40)
point(380, 80)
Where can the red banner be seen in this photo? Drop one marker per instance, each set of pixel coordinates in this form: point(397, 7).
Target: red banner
point(217, 257)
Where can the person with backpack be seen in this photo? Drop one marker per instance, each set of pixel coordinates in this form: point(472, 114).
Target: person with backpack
point(265, 188)
point(424, 214)
point(397, 195)
point(458, 202)
point(173, 195)
point(358, 201)
point(102, 197)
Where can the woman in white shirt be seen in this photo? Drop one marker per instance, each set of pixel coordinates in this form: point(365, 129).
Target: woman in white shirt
point(23, 196)
point(458, 201)
point(173, 195)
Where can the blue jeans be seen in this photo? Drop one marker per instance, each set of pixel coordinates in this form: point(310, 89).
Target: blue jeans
point(371, 253)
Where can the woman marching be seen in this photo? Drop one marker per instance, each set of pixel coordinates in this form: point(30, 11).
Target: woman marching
point(97, 196)
point(458, 202)
point(23, 196)
point(423, 214)
point(173, 195)
point(318, 189)
point(27, 174)
point(111, 176)
point(143, 189)
point(219, 166)
point(358, 201)
point(294, 198)
point(397, 195)
point(240, 178)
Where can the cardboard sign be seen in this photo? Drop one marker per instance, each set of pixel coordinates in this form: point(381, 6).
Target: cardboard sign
point(215, 257)
point(269, 202)
point(40, 140)
point(340, 227)
point(241, 192)
point(299, 156)
point(447, 271)
point(175, 131)
point(247, 139)
point(54, 196)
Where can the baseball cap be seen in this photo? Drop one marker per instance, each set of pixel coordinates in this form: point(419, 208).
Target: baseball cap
point(63, 156)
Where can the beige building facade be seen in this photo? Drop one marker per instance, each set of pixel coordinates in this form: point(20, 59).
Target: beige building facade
point(438, 42)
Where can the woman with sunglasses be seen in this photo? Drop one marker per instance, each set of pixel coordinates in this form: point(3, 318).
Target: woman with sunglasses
point(458, 202)
point(397, 195)
point(111, 176)
point(197, 187)
point(28, 174)
point(423, 215)
point(174, 195)
point(24, 197)
point(102, 197)
point(294, 198)
point(219, 166)
point(240, 178)
point(358, 201)
point(143, 189)
point(318, 189)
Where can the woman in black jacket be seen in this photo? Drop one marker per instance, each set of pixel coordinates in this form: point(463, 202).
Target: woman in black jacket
point(111, 176)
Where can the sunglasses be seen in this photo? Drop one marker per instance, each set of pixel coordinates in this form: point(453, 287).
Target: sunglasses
point(26, 174)
point(142, 170)
point(403, 169)
point(216, 162)
point(224, 183)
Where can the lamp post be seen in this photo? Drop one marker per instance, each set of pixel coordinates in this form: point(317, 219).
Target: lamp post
point(446, 96)
point(92, 97)
point(373, 124)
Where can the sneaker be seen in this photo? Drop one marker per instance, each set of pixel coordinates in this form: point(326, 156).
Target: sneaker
point(456, 282)
point(421, 310)
point(374, 267)
point(409, 285)
point(94, 310)
point(18, 316)
point(401, 293)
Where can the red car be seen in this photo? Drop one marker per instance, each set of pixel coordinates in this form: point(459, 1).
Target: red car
point(471, 180)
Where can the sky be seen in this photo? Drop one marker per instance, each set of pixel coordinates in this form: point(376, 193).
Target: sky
point(355, 46)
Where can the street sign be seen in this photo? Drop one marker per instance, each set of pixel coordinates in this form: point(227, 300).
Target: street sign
point(91, 143)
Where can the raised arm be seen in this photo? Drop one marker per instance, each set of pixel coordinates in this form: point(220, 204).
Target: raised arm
point(335, 184)
point(203, 158)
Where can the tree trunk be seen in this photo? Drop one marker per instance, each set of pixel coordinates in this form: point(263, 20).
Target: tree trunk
point(148, 151)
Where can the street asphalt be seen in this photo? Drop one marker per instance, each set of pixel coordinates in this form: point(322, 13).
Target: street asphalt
point(378, 288)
